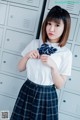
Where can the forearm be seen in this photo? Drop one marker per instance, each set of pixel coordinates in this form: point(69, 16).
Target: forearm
point(22, 63)
point(32, 54)
point(57, 78)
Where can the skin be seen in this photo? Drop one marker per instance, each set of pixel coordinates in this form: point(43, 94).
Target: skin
point(54, 31)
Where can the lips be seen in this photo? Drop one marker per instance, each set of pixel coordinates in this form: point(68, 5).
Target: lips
point(51, 34)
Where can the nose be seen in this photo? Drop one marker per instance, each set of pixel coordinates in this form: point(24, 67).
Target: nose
point(52, 28)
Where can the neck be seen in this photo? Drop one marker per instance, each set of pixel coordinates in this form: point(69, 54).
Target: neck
point(54, 41)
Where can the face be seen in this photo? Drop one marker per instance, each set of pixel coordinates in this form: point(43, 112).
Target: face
point(54, 30)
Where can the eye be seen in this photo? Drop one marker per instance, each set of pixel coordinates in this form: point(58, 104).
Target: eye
point(57, 25)
point(48, 23)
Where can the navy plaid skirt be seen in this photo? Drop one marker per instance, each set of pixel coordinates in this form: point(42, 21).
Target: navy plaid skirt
point(36, 102)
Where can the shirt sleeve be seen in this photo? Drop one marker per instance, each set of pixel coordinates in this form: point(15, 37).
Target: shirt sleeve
point(31, 46)
point(66, 65)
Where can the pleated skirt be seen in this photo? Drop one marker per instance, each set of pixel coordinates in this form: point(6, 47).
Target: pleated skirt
point(36, 102)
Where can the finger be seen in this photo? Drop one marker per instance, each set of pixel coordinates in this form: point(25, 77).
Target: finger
point(44, 57)
point(38, 55)
point(33, 56)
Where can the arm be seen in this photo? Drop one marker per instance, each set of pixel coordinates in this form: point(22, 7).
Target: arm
point(58, 79)
point(22, 64)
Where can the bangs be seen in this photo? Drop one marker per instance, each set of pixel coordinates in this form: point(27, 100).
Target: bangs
point(56, 20)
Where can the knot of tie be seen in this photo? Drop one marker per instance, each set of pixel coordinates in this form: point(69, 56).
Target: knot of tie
point(46, 49)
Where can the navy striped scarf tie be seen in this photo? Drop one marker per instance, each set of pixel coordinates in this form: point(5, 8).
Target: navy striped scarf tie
point(46, 49)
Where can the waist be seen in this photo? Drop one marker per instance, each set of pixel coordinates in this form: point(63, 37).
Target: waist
point(39, 85)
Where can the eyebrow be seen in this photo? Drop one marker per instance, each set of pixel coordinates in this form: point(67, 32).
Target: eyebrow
point(55, 22)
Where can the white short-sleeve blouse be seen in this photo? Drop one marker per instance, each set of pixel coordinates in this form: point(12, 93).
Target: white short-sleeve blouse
point(39, 73)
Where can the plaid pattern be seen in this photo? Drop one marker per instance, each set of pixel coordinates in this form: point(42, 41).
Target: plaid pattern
point(36, 102)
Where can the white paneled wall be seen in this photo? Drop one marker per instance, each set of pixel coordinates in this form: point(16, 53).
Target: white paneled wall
point(69, 95)
point(19, 20)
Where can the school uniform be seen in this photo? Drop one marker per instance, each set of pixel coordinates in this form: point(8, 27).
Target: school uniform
point(37, 99)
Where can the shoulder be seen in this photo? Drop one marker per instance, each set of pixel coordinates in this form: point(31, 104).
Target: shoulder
point(65, 50)
point(66, 53)
point(34, 43)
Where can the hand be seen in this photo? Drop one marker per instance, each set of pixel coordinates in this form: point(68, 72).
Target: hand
point(33, 54)
point(46, 59)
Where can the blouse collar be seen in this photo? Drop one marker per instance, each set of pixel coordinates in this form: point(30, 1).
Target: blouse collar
point(52, 44)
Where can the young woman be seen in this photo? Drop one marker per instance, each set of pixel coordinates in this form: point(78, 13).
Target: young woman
point(48, 66)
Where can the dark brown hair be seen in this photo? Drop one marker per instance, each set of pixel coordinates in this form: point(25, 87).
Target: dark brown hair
point(56, 14)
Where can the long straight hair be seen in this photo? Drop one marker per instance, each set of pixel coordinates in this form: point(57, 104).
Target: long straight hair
point(57, 14)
